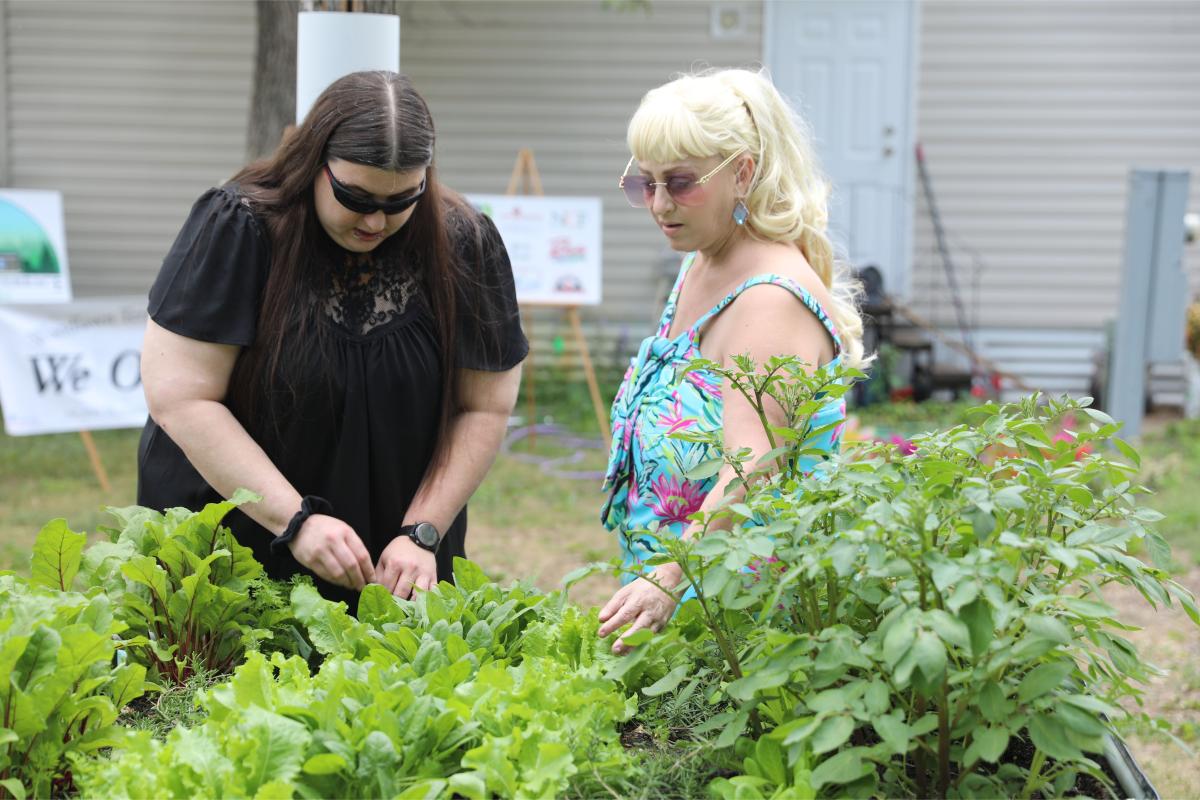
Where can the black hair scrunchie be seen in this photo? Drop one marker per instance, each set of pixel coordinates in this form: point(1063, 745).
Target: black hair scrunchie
point(311, 504)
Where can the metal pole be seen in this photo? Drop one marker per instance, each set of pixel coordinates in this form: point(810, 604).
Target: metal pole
point(1153, 245)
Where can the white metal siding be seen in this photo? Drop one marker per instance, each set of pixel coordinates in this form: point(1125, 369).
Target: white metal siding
point(1031, 115)
point(131, 109)
point(4, 108)
point(563, 78)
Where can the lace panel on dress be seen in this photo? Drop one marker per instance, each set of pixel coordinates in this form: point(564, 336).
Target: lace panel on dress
point(368, 291)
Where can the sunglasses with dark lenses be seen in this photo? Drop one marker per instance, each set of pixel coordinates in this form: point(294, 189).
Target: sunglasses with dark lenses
point(685, 190)
point(355, 202)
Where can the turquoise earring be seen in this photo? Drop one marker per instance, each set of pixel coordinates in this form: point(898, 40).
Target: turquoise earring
point(740, 213)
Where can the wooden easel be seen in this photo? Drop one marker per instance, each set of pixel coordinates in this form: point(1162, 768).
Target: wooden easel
point(89, 444)
point(525, 179)
point(93, 453)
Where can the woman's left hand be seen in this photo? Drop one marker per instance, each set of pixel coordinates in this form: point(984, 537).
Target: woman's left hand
point(643, 604)
point(404, 566)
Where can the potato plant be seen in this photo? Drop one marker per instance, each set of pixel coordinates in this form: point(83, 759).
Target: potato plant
point(890, 624)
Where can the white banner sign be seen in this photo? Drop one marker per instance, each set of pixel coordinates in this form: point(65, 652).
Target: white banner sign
point(72, 367)
point(553, 243)
point(33, 247)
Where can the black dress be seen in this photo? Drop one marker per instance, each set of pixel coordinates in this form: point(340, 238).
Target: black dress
point(358, 425)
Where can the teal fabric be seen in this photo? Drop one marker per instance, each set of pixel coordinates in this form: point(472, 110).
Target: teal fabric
point(645, 477)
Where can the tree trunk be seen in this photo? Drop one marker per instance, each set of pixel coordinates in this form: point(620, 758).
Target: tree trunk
point(273, 101)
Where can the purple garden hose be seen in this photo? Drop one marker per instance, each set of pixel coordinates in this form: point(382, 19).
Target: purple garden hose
point(554, 465)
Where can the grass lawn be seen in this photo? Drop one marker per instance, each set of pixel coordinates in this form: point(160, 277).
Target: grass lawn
point(528, 522)
point(44, 477)
point(1171, 469)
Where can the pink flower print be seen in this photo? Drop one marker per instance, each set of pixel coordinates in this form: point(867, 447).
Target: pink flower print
point(632, 493)
point(627, 431)
point(674, 420)
point(625, 381)
point(675, 500)
point(704, 382)
point(837, 433)
point(619, 430)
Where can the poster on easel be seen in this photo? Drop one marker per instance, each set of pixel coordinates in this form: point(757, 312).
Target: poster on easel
point(33, 247)
point(553, 244)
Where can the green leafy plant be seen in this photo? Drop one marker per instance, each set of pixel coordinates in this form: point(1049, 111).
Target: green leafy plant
point(767, 773)
point(461, 692)
point(194, 596)
point(170, 706)
point(64, 682)
point(899, 622)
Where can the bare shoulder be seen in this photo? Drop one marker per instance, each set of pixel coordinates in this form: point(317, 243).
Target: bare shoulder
point(770, 302)
point(768, 320)
point(781, 259)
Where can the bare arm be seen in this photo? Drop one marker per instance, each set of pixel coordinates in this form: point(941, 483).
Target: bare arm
point(485, 401)
point(186, 382)
point(775, 324)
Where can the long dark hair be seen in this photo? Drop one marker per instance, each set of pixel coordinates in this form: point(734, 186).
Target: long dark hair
point(372, 118)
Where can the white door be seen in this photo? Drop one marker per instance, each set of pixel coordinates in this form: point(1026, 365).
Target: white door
point(848, 67)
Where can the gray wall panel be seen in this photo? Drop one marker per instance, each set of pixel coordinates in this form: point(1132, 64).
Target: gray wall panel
point(131, 109)
point(563, 78)
point(1031, 115)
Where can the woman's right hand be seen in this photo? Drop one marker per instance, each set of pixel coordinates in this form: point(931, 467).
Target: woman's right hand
point(332, 550)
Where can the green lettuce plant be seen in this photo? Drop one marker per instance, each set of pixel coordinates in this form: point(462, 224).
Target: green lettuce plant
point(63, 685)
point(469, 690)
point(896, 623)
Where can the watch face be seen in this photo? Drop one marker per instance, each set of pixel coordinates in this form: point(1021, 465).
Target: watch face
point(426, 534)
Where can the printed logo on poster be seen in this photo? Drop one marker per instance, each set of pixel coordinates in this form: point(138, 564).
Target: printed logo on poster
point(33, 247)
point(553, 244)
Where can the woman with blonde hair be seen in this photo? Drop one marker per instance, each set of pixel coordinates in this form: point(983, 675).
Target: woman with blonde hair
point(727, 172)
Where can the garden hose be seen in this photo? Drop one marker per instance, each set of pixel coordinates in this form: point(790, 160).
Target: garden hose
point(555, 465)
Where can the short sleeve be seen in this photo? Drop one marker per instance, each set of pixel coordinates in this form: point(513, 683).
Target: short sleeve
point(211, 282)
point(489, 331)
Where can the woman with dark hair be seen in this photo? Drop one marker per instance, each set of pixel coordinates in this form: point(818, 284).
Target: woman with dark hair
point(338, 332)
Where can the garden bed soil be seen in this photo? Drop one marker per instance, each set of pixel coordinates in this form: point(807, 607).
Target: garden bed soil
point(635, 736)
point(1020, 751)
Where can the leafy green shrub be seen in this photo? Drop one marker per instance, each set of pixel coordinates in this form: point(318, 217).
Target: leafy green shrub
point(191, 594)
point(61, 693)
point(898, 621)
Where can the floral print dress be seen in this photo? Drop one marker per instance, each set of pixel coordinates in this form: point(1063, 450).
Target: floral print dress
point(645, 477)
